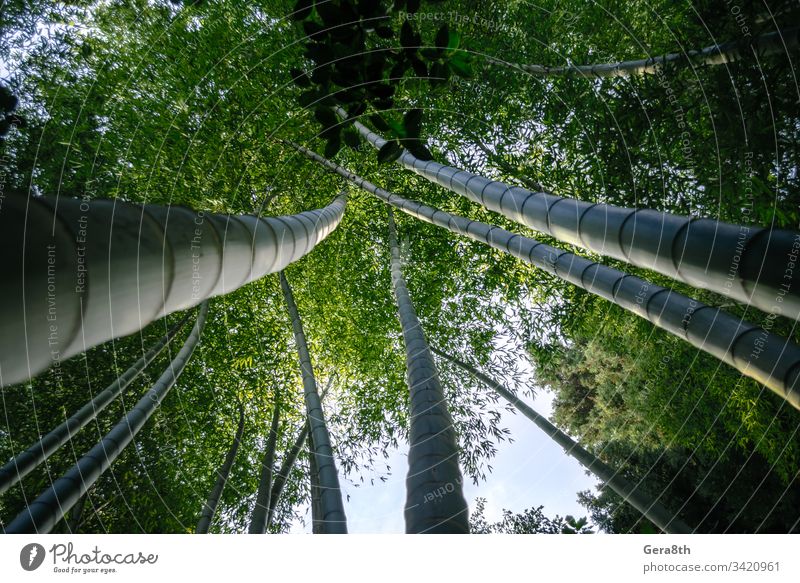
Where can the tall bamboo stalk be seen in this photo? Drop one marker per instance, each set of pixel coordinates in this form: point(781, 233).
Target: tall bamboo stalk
point(42, 514)
point(647, 505)
point(24, 463)
point(754, 265)
point(210, 507)
point(289, 460)
point(752, 350)
point(331, 505)
point(778, 42)
point(258, 522)
point(77, 273)
point(434, 495)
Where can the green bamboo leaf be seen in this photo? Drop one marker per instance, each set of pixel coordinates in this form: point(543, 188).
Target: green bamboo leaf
point(389, 152)
point(302, 9)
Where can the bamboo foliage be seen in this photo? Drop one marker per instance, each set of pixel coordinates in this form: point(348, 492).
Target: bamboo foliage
point(93, 270)
point(210, 507)
point(45, 511)
point(333, 517)
point(434, 497)
point(778, 42)
point(24, 463)
point(754, 265)
point(649, 507)
point(752, 350)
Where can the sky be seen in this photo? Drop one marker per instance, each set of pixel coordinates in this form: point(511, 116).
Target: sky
point(529, 472)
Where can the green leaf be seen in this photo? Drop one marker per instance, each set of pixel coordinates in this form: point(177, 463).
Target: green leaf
point(408, 37)
point(300, 78)
point(314, 29)
point(412, 123)
point(389, 152)
point(351, 138)
point(417, 149)
point(442, 36)
point(333, 146)
point(302, 9)
point(379, 122)
point(460, 64)
point(453, 40)
point(326, 116)
point(385, 32)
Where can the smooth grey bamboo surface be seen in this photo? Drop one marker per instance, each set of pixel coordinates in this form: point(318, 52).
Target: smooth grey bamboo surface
point(754, 265)
point(210, 507)
point(77, 273)
point(434, 496)
point(778, 42)
point(288, 462)
point(258, 521)
point(24, 463)
point(647, 505)
point(45, 511)
point(331, 505)
point(317, 523)
point(752, 350)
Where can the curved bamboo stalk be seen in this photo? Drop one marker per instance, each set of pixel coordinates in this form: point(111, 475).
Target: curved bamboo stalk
point(77, 273)
point(778, 42)
point(752, 350)
point(42, 514)
point(22, 465)
point(210, 507)
point(754, 265)
point(649, 507)
point(258, 522)
point(288, 462)
point(332, 507)
point(434, 497)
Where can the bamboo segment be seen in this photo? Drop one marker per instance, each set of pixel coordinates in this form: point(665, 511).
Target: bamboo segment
point(752, 350)
point(23, 464)
point(333, 519)
point(258, 520)
point(754, 265)
point(77, 273)
point(210, 507)
point(288, 463)
point(434, 494)
point(778, 42)
point(43, 513)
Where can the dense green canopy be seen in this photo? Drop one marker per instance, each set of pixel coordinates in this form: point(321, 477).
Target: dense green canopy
point(191, 103)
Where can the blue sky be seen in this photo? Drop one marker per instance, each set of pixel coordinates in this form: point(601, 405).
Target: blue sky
point(531, 471)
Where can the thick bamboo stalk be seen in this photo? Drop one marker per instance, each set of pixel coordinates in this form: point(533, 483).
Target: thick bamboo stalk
point(23, 464)
point(258, 522)
point(210, 507)
point(77, 273)
point(288, 462)
point(331, 505)
point(754, 265)
point(778, 42)
point(317, 522)
point(42, 514)
point(434, 495)
point(752, 350)
point(648, 506)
